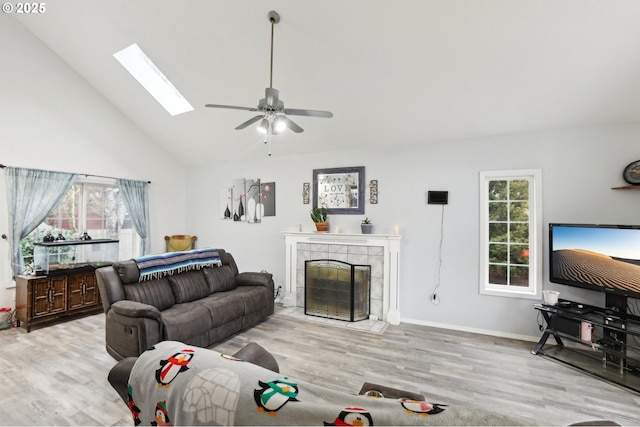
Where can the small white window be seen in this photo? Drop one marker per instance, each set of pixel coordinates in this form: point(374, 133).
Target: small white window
point(511, 233)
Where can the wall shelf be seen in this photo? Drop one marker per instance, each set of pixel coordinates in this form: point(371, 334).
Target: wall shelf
point(627, 187)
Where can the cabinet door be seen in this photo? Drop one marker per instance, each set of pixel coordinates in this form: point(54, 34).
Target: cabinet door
point(83, 291)
point(41, 297)
point(92, 293)
point(59, 294)
point(49, 296)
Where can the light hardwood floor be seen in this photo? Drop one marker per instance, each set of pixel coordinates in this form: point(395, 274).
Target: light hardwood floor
point(58, 375)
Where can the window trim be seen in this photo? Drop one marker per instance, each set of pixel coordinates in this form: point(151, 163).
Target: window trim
point(534, 290)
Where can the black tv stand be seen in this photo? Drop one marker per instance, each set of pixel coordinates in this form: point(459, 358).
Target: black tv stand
point(612, 353)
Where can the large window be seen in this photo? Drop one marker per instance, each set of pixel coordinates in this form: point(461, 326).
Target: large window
point(94, 207)
point(510, 233)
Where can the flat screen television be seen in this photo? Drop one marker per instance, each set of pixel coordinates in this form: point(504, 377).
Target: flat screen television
point(604, 258)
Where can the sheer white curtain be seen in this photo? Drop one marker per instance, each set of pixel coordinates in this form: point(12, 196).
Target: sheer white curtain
point(136, 198)
point(31, 196)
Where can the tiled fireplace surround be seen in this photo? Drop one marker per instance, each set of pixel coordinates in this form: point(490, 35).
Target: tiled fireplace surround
point(380, 251)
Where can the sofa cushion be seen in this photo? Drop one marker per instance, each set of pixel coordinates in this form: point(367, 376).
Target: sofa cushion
point(224, 306)
point(254, 298)
point(155, 292)
point(189, 286)
point(184, 321)
point(220, 279)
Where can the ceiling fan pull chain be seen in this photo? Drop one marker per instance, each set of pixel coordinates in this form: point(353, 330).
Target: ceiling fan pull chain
point(267, 140)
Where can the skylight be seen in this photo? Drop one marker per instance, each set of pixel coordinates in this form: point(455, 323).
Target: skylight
point(151, 78)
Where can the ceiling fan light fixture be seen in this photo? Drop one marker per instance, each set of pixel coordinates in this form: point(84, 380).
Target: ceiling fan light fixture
point(263, 127)
point(279, 124)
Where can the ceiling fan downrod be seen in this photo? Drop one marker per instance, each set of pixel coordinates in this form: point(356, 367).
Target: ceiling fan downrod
point(274, 18)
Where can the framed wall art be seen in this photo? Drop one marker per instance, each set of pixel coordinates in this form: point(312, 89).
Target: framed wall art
point(268, 198)
point(373, 191)
point(306, 189)
point(339, 190)
point(253, 208)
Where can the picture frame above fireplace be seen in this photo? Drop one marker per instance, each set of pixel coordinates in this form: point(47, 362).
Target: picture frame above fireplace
point(339, 190)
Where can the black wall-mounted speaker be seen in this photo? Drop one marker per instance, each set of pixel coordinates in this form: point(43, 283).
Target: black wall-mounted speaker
point(438, 197)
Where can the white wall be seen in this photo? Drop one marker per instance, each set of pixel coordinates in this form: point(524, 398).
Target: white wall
point(52, 119)
point(579, 168)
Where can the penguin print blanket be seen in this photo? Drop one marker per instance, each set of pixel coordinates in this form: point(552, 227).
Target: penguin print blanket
point(178, 384)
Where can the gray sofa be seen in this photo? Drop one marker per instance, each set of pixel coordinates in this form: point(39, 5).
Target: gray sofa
point(197, 307)
point(217, 380)
point(177, 384)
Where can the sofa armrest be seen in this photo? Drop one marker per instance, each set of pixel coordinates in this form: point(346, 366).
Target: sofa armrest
point(136, 309)
point(110, 286)
point(390, 392)
point(132, 327)
point(254, 279)
point(119, 376)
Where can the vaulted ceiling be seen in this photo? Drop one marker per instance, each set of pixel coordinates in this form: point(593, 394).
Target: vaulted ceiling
point(393, 72)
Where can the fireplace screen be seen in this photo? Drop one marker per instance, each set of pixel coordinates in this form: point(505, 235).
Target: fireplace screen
point(337, 290)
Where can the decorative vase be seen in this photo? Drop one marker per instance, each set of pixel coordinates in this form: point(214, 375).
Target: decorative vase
point(322, 226)
point(366, 228)
point(241, 209)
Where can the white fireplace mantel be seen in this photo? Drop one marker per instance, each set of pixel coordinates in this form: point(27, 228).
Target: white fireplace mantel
point(390, 244)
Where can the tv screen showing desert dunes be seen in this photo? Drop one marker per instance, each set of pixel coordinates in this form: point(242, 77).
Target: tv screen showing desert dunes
point(606, 257)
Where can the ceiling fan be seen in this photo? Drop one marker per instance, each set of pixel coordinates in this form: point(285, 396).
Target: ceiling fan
point(273, 115)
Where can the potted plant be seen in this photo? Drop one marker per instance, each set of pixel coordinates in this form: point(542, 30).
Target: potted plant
point(366, 226)
point(319, 217)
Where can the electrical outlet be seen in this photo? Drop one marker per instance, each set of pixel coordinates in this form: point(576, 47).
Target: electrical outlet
point(434, 299)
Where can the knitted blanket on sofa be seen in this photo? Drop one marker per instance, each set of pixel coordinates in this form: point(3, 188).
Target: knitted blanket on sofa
point(159, 265)
point(177, 384)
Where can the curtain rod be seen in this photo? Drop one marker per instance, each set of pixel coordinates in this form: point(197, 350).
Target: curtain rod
point(85, 174)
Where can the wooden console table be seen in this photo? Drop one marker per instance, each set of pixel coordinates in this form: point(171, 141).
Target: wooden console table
point(53, 298)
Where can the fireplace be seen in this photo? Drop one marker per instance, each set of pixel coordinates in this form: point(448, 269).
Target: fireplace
point(380, 251)
point(337, 290)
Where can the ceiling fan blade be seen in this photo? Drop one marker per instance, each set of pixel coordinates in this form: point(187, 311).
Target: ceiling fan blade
point(310, 113)
point(249, 122)
point(231, 107)
point(291, 125)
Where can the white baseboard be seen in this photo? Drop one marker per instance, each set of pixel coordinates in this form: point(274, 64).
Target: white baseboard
point(472, 330)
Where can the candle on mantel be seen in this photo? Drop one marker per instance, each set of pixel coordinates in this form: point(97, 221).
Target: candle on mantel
point(396, 229)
